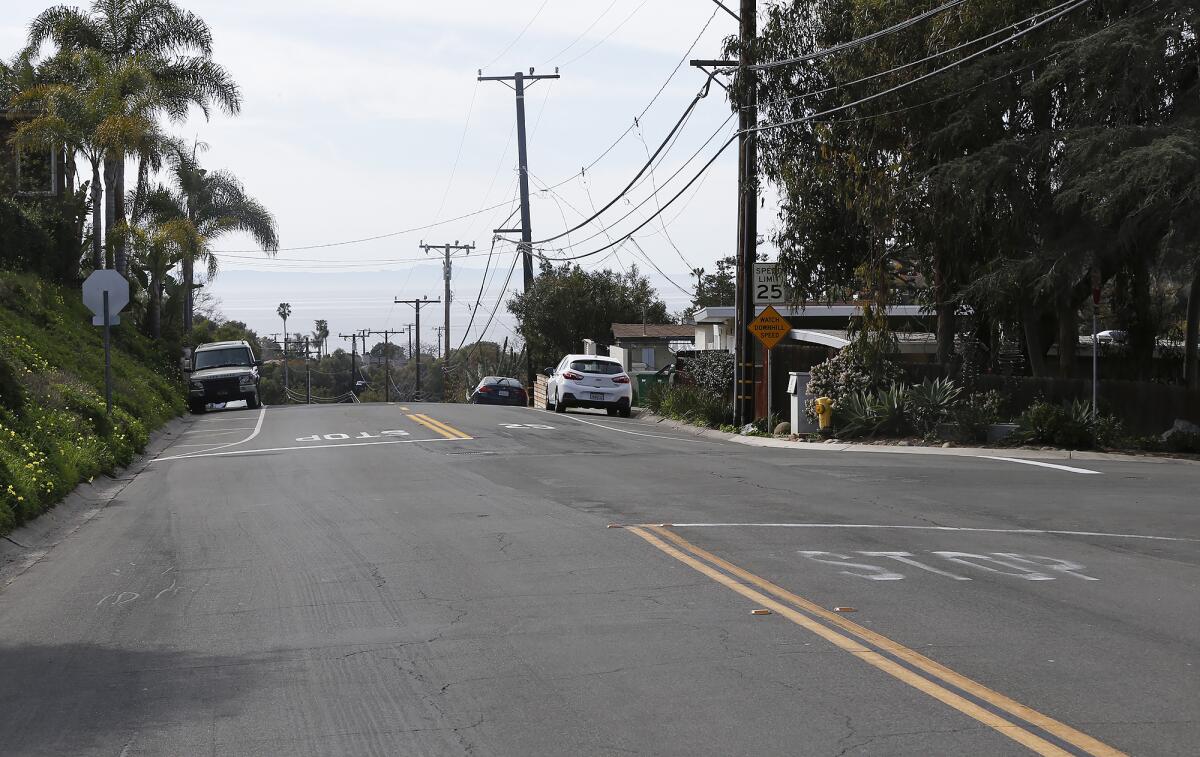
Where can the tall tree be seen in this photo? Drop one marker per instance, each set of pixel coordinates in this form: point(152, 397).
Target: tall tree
point(569, 304)
point(320, 336)
point(91, 109)
point(171, 46)
point(212, 204)
point(1004, 180)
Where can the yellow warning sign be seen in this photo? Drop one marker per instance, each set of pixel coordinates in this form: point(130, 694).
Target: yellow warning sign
point(770, 327)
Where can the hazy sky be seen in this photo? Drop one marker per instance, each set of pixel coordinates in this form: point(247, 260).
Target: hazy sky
point(355, 112)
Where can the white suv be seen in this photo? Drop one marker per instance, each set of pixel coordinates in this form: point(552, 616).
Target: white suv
point(589, 381)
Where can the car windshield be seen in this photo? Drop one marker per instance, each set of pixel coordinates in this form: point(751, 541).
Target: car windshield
point(505, 383)
point(605, 367)
point(221, 358)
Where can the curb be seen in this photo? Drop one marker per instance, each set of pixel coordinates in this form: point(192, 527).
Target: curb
point(986, 452)
point(28, 544)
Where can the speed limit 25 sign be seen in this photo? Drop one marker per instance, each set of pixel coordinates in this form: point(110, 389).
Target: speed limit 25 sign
point(768, 285)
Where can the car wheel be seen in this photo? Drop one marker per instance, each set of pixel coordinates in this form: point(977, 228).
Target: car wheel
point(196, 406)
point(559, 405)
point(612, 412)
point(546, 403)
point(625, 412)
point(252, 402)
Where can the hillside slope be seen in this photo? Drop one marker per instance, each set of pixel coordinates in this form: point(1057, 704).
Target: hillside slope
point(54, 432)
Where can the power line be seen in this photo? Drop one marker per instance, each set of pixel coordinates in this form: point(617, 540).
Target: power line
point(458, 156)
point(582, 34)
point(517, 39)
point(860, 41)
point(641, 171)
point(481, 211)
point(609, 35)
point(926, 59)
point(928, 75)
point(812, 117)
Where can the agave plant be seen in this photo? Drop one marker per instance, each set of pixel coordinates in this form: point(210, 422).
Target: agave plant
point(932, 403)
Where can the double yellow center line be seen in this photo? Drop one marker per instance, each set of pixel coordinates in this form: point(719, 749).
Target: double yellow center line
point(1007, 716)
point(444, 429)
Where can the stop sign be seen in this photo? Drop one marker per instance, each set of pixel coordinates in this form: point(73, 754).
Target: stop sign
point(105, 280)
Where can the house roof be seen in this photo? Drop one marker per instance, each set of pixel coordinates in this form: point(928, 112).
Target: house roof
point(654, 331)
point(721, 313)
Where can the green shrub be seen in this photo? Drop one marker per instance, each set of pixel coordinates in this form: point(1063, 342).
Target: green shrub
point(690, 404)
point(1182, 441)
point(711, 370)
point(845, 373)
point(1069, 426)
point(54, 429)
point(931, 403)
point(873, 413)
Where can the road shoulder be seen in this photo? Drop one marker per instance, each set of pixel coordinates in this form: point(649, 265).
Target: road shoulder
point(27, 545)
point(839, 446)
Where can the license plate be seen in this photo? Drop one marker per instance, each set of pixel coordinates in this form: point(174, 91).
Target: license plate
point(597, 395)
point(503, 393)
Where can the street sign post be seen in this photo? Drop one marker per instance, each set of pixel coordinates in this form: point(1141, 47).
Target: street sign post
point(768, 285)
point(106, 293)
point(769, 328)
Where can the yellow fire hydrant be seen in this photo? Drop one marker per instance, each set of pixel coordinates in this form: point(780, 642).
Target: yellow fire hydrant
point(824, 410)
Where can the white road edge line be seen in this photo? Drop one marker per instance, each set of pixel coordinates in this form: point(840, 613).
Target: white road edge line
point(622, 430)
point(262, 413)
point(192, 455)
point(1067, 468)
point(1029, 531)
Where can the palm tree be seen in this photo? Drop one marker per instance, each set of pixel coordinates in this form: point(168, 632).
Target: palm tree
point(213, 203)
point(284, 310)
point(321, 336)
point(158, 249)
point(171, 45)
point(90, 109)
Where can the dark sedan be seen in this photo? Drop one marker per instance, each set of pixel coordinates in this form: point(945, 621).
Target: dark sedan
point(499, 390)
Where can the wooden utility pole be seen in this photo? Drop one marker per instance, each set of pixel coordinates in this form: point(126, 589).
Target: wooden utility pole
point(526, 247)
point(353, 354)
point(417, 305)
point(746, 99)
point(447, 266)
point(387, 360)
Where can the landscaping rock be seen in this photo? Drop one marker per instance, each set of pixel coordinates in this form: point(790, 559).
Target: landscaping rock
point(1180, 426)
point(783, 429)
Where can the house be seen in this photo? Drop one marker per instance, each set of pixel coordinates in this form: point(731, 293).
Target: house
point(650, 346)
point(824, 325)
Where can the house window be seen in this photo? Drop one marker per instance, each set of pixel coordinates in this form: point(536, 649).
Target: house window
point(36, 172)
point(648, 356)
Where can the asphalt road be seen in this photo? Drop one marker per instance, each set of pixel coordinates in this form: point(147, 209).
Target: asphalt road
point(441, 579)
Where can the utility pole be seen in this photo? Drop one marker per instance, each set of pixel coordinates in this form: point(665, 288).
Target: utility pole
point(353, 354)
point(526, 246)
point(446, 269)
point(408, 328)
point(274, 338)
point(387, 361)
point(746, 98)
point(307, 375)
point(417, 305)
point(442, 330)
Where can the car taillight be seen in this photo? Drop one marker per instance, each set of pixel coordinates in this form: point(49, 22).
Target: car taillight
point(572, 376)
point(622, 379)
point(484, 389)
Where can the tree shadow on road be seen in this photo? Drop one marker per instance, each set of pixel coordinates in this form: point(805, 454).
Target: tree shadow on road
point(83, 698)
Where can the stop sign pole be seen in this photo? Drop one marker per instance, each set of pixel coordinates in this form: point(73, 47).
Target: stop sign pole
point(106, 292)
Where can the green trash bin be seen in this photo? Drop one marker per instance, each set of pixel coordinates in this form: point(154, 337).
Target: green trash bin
point(645, 380)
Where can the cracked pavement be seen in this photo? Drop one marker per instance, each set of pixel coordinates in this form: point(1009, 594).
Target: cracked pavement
point(411, 596)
